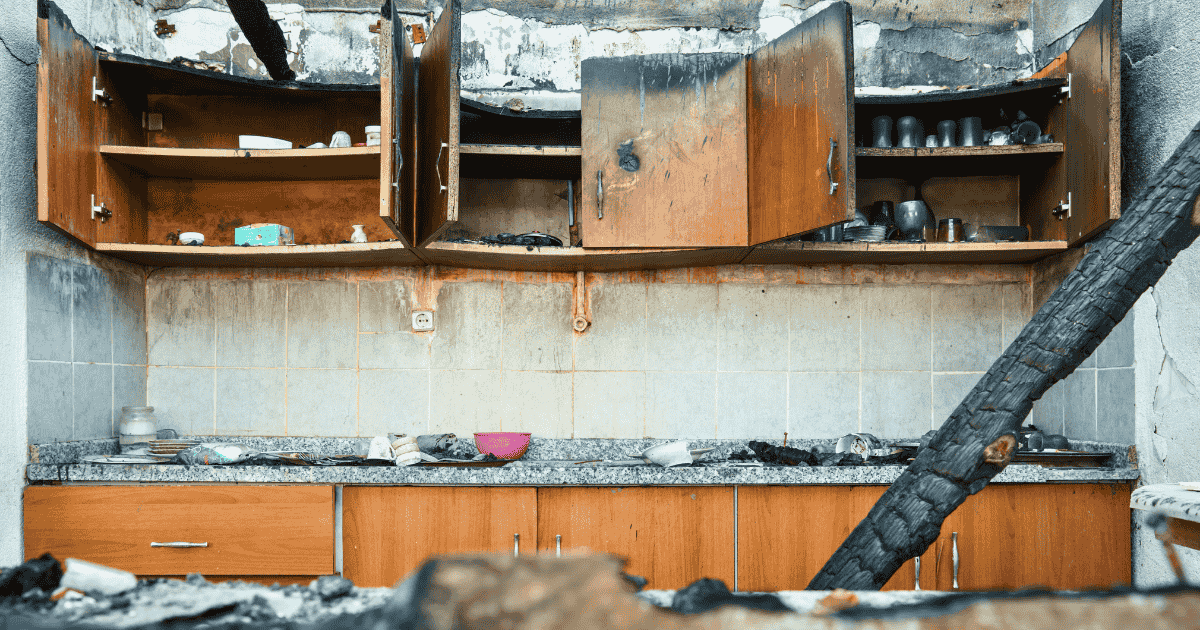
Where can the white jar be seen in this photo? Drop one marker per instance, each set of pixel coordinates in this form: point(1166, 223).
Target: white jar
point(138, 426)
point(372, 135)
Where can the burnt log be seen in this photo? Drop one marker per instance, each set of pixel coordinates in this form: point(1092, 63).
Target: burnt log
point(265, 36)
point(979, 438)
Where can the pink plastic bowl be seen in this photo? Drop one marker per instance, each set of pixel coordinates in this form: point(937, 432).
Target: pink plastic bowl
point(503, 445)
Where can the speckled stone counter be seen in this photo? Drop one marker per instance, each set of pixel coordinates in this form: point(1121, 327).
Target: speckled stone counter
point(1170, 499)
point(547, 463)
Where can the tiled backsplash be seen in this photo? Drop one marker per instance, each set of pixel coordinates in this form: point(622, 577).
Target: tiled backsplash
point(86, 348)
point(732, 352)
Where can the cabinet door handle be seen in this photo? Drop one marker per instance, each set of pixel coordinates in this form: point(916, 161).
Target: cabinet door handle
point(829, 166)
point(437, 167)
point(516, 545)
point(178, 545)
point(954, 556)
point(599, 194)
point(917, 562)
point(558, 545)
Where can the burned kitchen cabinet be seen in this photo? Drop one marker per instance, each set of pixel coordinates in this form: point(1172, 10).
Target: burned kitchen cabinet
point(258, 533)
point(672, 536)
point(132, 152)
point(387, 532)
point(721, 149)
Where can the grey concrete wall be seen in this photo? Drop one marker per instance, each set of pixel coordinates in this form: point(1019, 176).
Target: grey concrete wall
point(733, 352)
point(1160, 86)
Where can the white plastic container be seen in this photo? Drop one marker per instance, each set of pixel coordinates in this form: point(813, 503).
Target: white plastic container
point(372, 135)
point(191, 238)
point(138, 426)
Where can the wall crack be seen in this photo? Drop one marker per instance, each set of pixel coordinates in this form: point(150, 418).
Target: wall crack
point(1173, 384)
point(14, 55)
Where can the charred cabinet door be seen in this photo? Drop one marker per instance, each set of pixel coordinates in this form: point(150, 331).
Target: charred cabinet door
point(437, 144)
point(1088, 123)
point(397, 150)
point(67, 149)
point(664, 151)
point(801, 128)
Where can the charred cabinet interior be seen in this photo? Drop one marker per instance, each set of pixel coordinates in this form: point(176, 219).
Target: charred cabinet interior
point(673, 160)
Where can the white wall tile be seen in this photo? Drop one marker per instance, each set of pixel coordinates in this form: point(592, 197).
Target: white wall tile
point(616, 338)
point(322, 402)
point(825, 326)
point(182, 398)
point(681, 405)
point(393, 401)
point(537, 333)
point(609, 404)
point(753, 327)
point(537, 403)
point(896, 327)
point(896, 404)
point(967, 327)
point(251, 320)
point(823, 404)
point(752, 404)
point(464, 401)
point(681, 327)
point(181, 327)
point(467, 327)
point(251, 401)
point(322, 325)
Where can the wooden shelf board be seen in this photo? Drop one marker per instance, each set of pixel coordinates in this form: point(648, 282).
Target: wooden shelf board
point(1012, 149)
point(1049, 85)
point(249, 164)
point(519, 257)
point(334, 255)
point(800, 252)
point(520, 149)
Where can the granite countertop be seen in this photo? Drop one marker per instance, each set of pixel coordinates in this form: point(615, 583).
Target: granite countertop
point(1170, 499)
point(548, 462)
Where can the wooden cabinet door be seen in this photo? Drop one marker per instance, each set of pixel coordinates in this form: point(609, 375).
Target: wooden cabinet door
point(397, 166)
point(389, 531)
point(801, 128)
point(249, 530)
point(664, 151)
point(787, 533)
point(67, 148)
point(438, 142)
point(672, 536)
point(1088, 123)
point(1062, 536)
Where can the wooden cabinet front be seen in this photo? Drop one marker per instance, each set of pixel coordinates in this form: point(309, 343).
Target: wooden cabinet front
point(249, 530)
point(672, 536)
point(389, 531)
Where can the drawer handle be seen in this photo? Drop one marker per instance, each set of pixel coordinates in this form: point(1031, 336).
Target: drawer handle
point(558, 545)
point(516, 545)
point(178, 545)
point(599, 194)
point(829, 166)
point(954, 552)
point(917, 561)
point(437, 167)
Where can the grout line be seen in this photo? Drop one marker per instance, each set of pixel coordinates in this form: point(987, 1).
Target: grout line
point(357, 359)
point(287, 318)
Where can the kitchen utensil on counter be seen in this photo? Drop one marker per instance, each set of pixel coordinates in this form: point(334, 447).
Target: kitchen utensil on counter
point(124, 459)
point(380, 449)
point(970, 131)
point(170, 447)
point(1000, 233)
point(359, 236)
point(950, 231)
point(137, 428)
point(883, 213)
point(945, 133)
point(860, 219)
point(831, 234)
point(881, 132)
point(503, 444)
point(911, 217)
point(858, 443)
point(670, 454)
point(910, 132)
point(1036, 441)
point(1000, 137)
point(340, 139)
point(970, 232)
point(867, 233)
point(372, 135)
point(191, 238)
point(931, 141)
point(1024, 130)
point(262, 142)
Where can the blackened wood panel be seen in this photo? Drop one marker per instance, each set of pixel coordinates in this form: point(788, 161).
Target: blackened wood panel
point(398, 186)
point(672, 536)
point(664, 151)
point(67, 141)
point(438, 112)
point(801, 100)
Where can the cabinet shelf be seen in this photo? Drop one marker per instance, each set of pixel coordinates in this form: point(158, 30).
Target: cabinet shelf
point(511, 161)
point(903, 253)
point(249, 164)
point(985, 151)
point(522, 258)
point(334, 255)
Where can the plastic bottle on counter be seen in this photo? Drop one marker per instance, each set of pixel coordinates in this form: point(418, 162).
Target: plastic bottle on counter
point(138, 426)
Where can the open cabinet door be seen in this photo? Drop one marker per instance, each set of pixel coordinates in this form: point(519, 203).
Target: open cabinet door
point(67, 149)
point(437, 144)
point(801, 128)
point(664, 151)
point(397, 150)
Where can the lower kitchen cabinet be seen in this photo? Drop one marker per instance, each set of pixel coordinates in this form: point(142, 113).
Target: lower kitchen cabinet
point(258, 533)
point(387, 531)
point(672, 536)
point(1068, 536)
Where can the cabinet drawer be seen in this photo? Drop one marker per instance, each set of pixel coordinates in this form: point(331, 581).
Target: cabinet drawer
point(257, 530)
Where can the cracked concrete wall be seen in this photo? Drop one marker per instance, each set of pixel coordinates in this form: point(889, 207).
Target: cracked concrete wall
point(1161, 50)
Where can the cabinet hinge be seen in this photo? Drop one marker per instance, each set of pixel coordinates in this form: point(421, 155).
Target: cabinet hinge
point(99, 94)
point(1066, 89)
point(100, 211)
point(1063, 210)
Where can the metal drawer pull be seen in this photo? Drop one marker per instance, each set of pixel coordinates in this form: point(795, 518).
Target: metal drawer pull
point(829, 166)
point(558, 545)
point(599, 194)
point(516, 545)
point(178, 545)
point(917, 561)
point(954, 553)
point(437, 167)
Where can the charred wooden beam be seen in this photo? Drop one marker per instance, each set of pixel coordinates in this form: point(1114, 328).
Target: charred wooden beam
point(976, 442)
point(265, 36)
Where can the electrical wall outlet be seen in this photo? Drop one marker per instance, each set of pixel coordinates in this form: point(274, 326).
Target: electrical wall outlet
point(422, 320)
